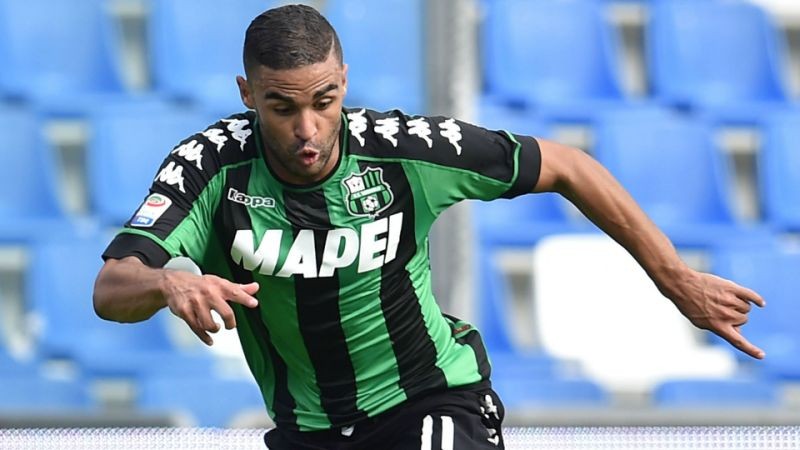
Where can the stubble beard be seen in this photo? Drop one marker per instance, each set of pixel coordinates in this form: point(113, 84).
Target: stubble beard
point(288, 158)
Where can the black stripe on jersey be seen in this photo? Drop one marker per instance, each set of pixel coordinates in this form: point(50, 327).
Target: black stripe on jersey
point(228, 219)
point(473, 339)
point(412, 345)
point(318, 314)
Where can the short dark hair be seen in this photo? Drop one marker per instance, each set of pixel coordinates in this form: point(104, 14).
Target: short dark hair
point(289, 37)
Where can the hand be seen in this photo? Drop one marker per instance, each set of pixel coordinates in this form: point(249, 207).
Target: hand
point(718, 305)
point(192, 297)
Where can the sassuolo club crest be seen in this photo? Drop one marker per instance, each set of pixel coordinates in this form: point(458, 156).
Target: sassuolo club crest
point(367, 194)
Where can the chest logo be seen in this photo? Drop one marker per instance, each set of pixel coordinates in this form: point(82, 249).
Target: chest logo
point(367, 194)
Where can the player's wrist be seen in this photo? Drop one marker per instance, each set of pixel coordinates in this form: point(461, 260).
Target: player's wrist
point(674, 279)
point(166, 283)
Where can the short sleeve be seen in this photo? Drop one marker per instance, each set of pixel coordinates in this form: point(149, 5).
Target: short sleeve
point(176, 217)
point(452, 160)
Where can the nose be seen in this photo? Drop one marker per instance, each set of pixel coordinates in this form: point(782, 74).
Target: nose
point(305, 127)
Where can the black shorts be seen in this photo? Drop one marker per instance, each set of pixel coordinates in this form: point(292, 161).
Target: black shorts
point(455, 419)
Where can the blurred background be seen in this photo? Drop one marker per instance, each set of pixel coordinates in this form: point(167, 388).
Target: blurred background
point(690, 103)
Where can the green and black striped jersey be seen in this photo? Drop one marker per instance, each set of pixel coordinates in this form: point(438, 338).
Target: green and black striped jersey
point(347, 325)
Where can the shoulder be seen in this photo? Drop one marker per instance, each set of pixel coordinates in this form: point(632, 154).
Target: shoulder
point(429, 139)
point(204, 154)
point(393, 133)
point(224, 142)
point(232, 139)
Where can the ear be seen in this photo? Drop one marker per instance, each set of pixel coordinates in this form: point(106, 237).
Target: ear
point(245, 92)
point(344, 78)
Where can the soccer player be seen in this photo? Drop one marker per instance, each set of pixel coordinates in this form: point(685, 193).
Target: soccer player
point(310, 224)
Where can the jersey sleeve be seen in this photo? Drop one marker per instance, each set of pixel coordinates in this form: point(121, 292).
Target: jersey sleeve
point(176, 217)
point(453, 160)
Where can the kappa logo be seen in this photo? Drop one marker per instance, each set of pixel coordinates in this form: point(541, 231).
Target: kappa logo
point(388, 128)
point(367, 194)
point(172, 174)
point(250, 200)
point(452, 132)
point(358, 125)
point(192, 151)
point(421, 128)
point(216, 136)
point(238, 131)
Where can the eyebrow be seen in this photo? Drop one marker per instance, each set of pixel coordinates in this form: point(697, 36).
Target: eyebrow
point(285, 98)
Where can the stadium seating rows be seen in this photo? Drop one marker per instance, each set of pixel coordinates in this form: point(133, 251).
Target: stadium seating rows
point(661, 147)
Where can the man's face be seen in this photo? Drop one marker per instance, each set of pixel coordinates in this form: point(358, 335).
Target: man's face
point(300, 115)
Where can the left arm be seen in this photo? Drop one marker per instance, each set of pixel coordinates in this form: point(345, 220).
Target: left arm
point(708, 301)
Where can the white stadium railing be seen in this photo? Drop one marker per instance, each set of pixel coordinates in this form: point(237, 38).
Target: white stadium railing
point(582, 438)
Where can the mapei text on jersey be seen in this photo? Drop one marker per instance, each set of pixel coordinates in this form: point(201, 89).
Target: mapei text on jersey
point(372, 246)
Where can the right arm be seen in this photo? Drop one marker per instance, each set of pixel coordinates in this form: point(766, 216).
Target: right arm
point(126, 290)
point(132, 285)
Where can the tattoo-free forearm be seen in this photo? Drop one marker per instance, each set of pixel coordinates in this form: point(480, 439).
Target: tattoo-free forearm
point(601, 198)
point(127, 290)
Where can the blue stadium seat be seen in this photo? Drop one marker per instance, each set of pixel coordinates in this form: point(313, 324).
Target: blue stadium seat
point(522, 221)
point(196, 49)
point(210, 401)
point(59, 285)
point(383, 47)
point(40, 394)
point(29, 204)
point(494, 300)
point(525, 393)
point(779, 171)
point(773, 273)
point(25, 387)
point(9, 365)
point(539, 380)
point(502, 225)
point(533, 365)
point(507, 225)
point(497, 116)
point(669, 164)
point(129, 141)
point(721, 57)
point(558, 57)
point(716, 393)
point(59, 55)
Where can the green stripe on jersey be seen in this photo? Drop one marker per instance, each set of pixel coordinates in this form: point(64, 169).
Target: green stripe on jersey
point(279, 310)
point(255, 351)
point(370, 352)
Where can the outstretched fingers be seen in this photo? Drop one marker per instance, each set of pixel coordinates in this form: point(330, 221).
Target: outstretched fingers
point(193, 298)
point(733, 335)
point(750, 296)
point(243, 294)
point(237, 293)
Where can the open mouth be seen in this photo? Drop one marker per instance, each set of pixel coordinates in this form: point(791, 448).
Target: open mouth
point(308, 156)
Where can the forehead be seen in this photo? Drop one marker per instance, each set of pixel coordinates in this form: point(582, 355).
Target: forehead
point(297, 82)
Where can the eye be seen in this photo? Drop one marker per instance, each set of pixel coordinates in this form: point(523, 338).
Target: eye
point(283, 110)
point(323, 104)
